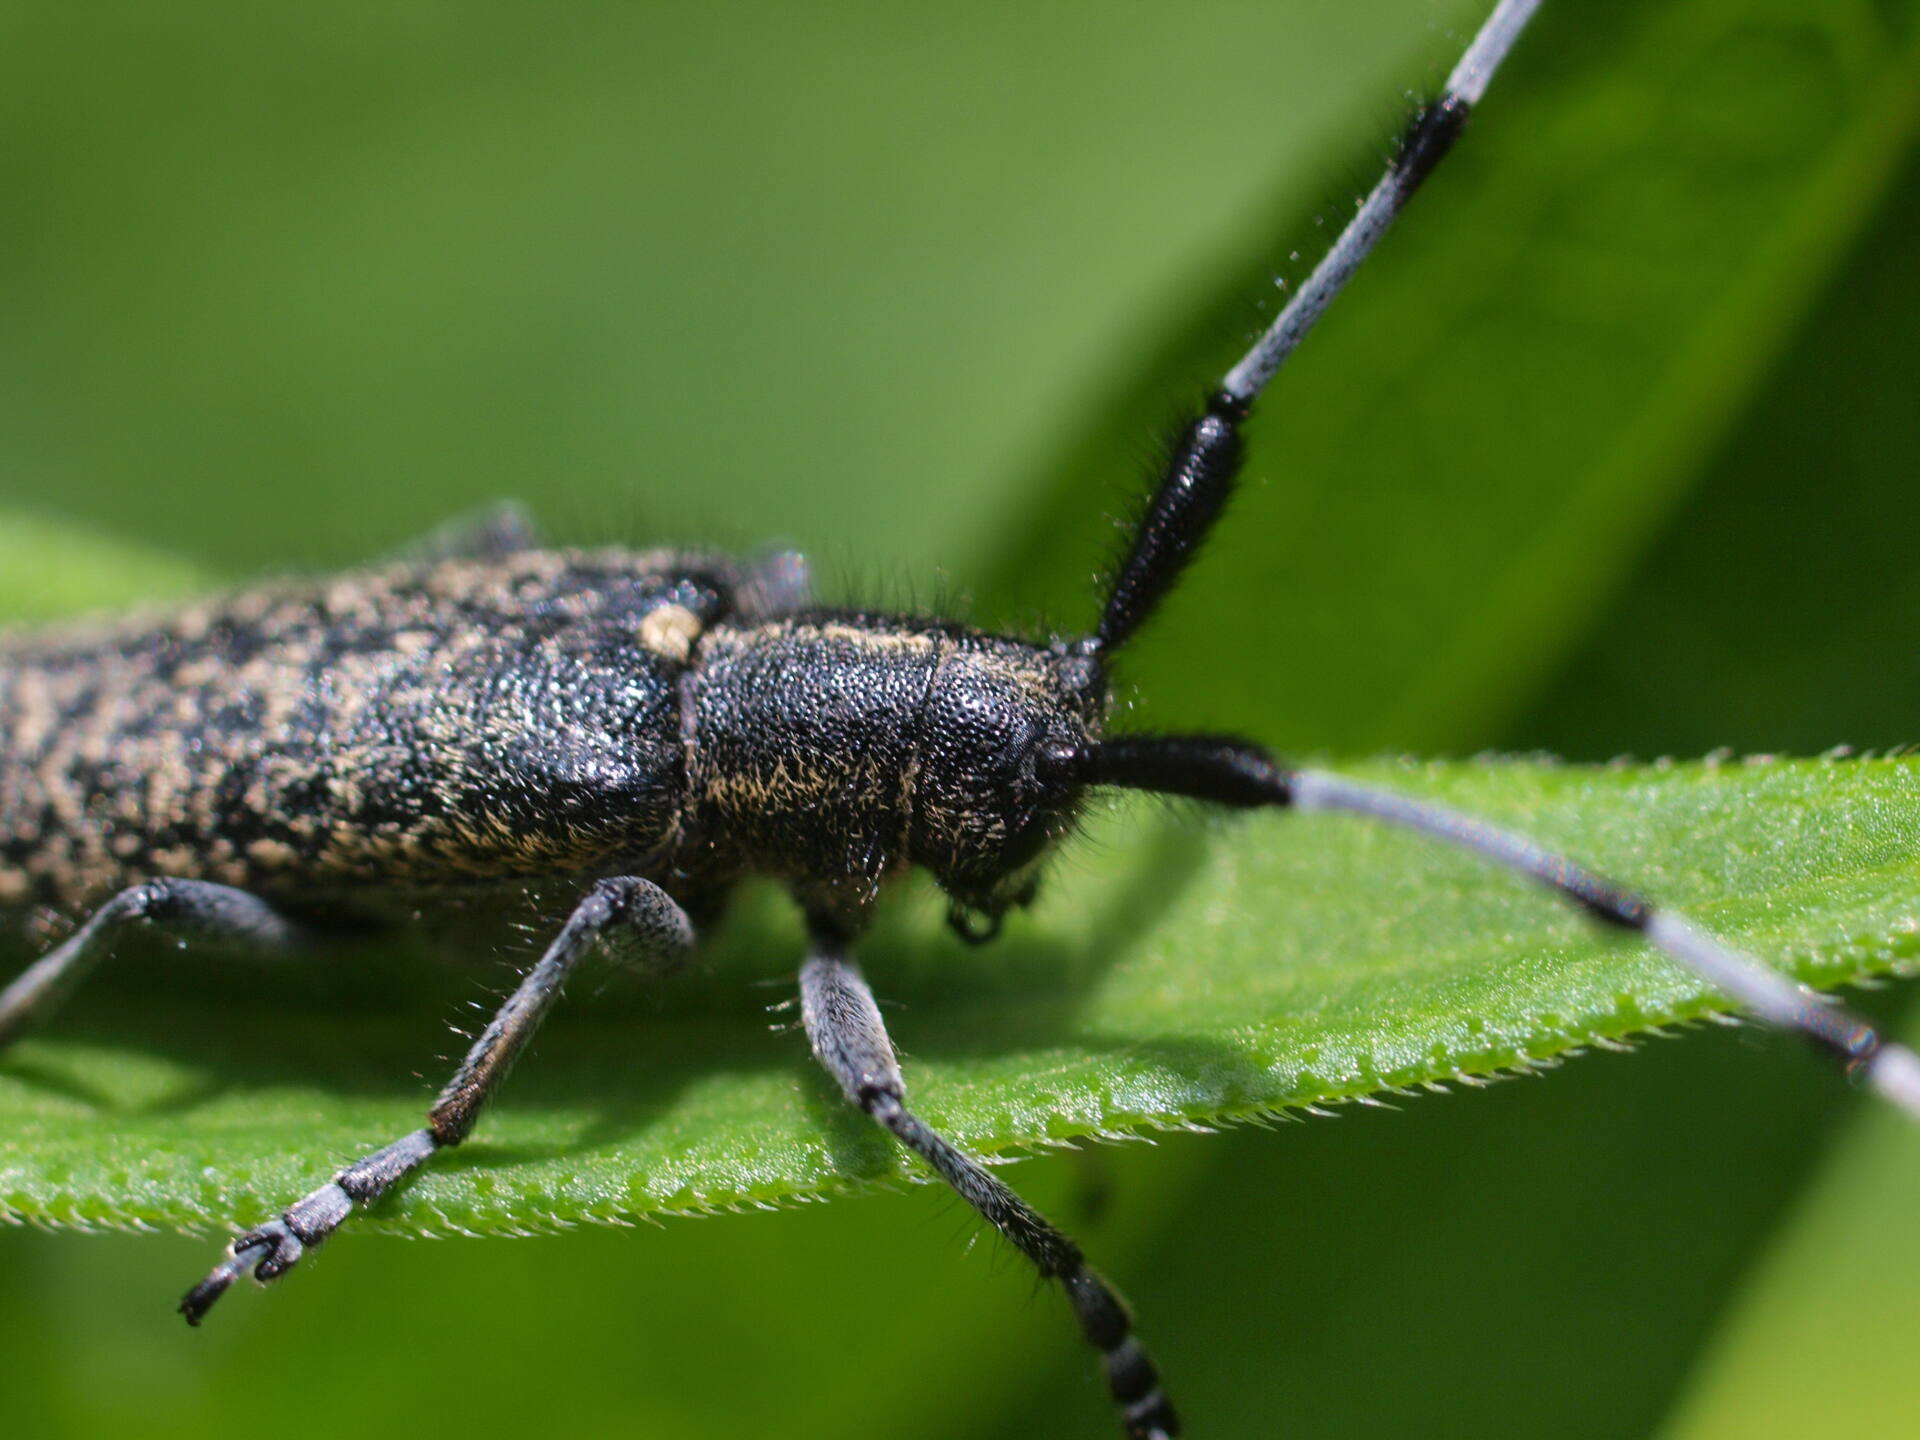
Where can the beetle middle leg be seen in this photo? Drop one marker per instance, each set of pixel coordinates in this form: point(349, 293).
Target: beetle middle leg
point(190, 909)
point(850, 1040)
point(633, 918)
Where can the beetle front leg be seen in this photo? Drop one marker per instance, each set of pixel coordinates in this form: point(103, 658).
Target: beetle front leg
point(634, 918)
point(851, 1041)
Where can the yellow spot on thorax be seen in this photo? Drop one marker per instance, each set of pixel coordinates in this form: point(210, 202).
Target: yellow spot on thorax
point(670, 631)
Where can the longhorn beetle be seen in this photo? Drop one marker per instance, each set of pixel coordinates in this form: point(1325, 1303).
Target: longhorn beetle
point(640, 729)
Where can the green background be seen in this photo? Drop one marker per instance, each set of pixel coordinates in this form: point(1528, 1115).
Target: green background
point(1609, 452)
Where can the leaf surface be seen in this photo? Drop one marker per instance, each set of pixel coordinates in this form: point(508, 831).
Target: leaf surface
point(1180, 972)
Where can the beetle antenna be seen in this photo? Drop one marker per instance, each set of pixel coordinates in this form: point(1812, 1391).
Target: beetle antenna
point(1235, 772)
point(1428, 138)
point(1205, 459)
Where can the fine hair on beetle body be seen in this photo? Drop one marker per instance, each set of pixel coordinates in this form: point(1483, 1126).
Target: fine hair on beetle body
point(608, 741)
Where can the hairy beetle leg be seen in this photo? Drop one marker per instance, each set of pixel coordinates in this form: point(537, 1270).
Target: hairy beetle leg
point(625, 915)
point(189, 909)
point(491, 532)
point(850, 1040)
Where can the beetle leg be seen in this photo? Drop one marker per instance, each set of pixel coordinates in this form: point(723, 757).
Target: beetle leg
point(850, 1040)
point(777, 583)
point(627, 915)
point(191, 909)
point(492, 532)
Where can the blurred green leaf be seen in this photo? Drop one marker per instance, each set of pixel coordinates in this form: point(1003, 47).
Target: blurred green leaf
point(50, 569)
point(1828, 1311)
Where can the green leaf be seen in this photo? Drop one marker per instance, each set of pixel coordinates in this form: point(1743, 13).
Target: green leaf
point(50, 569)
point(1179, 975)
point(1828, 1310)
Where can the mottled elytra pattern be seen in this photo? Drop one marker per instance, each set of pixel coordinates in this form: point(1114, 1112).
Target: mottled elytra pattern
point(437, 722)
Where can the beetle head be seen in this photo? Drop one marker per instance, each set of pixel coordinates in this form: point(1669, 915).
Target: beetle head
point(992, 795)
